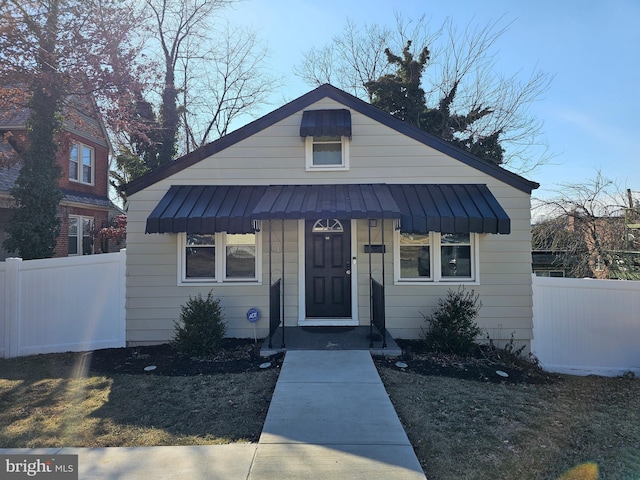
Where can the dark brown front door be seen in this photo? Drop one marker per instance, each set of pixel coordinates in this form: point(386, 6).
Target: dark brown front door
point(328, 268)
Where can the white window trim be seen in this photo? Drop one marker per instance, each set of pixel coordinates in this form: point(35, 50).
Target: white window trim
point(80, 235)
point(436, 277)
point(221, 259)
point(80, 164)
point(326, 168)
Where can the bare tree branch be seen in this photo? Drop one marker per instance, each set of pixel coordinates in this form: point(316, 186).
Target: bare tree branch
point(586, 223)
point(461, 73)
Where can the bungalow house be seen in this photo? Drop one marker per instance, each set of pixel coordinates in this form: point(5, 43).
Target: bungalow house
point(326, 212)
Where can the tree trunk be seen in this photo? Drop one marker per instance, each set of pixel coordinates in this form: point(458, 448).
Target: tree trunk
point(169, 119)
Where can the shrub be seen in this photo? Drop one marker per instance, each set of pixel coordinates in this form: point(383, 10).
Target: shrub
point(201, 329)
point(509, 355)
point(451, 327)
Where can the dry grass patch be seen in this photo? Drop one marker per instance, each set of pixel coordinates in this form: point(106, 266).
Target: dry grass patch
point(463, 429)
point(54, 401)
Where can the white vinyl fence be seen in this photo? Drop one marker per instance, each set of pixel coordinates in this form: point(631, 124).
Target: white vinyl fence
point(586, 326)
point(581, 326)
point(62, 304)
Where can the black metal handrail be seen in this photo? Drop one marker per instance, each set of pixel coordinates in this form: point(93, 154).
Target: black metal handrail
point(274, 310)
point(378, 319)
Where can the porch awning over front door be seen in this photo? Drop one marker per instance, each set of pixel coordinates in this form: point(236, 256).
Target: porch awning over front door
point(420, 208)
point(327, 201)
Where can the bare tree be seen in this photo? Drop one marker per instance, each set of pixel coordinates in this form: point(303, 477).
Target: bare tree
point(460, 72)
point(179, 27)
point(228, 81)
point(212, 73)
point(357, 56)
point(587, 224)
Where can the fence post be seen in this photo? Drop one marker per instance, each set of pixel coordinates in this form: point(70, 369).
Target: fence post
point(12, 307)
point(122, 298)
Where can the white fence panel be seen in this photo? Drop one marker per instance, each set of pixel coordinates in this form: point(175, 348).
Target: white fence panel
point(64, 304)
point(586, 326)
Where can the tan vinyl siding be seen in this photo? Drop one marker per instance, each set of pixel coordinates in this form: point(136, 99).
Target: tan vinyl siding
point(275, 155)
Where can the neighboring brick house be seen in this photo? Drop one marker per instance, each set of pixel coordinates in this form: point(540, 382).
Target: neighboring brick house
point(591, 247)
point(84, 157)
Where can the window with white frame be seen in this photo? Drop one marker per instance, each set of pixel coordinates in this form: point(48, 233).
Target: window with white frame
point(435, 257)
point(455, 256)
point(327, 153)
point(219, 258)
point(81, 163)
point(415, 257)
point(80, 239)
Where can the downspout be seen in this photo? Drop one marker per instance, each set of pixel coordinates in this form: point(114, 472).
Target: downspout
point(370, 288)
point(384, 300)
point(270, 282)
point(282, 285)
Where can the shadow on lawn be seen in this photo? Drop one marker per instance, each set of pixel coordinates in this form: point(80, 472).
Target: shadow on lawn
point(220, 399)
point(105, 398)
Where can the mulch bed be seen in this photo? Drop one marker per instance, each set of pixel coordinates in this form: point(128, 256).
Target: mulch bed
point(237, 355)
point(240, 355)
point(483, 365)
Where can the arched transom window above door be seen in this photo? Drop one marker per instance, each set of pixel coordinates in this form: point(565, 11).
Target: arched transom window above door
point(325, 225)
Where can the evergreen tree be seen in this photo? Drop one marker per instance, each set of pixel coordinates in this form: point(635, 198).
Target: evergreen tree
point(400, 93)
point(34, 226)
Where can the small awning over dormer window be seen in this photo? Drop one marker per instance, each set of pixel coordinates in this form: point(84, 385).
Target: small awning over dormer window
point(326, 123)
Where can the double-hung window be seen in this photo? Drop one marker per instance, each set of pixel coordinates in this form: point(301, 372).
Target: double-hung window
point(435, 257)
point(81, 163)
point(80, 239)
point(219, 258)
point(415, 257)
point(327, 153)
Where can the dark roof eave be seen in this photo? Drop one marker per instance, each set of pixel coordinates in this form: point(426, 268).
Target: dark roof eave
point(348, 100)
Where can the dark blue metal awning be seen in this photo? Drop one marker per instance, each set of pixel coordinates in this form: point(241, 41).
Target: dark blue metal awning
point(420, 208)
point(327, 201)
point(445, 208)
point(205, 209)
point(326, 123)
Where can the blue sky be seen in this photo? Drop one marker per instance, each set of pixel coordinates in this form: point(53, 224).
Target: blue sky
point(590, 48)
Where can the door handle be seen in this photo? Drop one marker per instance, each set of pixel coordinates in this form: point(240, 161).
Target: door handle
point(348, 272)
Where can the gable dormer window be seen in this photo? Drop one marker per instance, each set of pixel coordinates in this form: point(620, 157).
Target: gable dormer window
point(327, 134)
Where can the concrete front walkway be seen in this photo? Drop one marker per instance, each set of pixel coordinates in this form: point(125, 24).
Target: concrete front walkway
point(330, 417)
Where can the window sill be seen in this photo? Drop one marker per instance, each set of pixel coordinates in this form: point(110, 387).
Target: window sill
point(213, 283)
point(454, 281)
point(73, 180)
point(327, 168)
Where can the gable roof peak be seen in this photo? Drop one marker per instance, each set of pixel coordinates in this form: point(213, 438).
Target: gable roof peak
point(349, 101)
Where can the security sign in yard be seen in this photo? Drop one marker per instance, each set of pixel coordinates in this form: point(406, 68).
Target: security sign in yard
point(253, 315)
